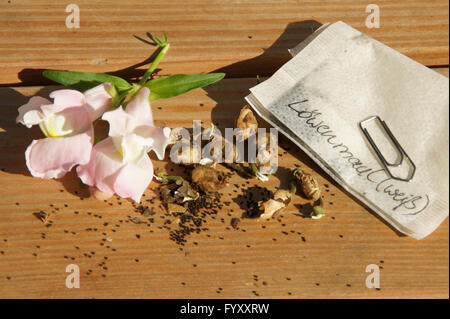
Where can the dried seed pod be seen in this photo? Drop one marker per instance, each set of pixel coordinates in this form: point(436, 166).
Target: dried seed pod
point(166, 195)
point(230, 152)
point(212, 146)
point(175, 208)
point(281, 198)
point(309, 184)
point(186, 193)
point(186, 154)
point(283, 195)
point(208, 178)
point(191, 157)
point(267, 154)
point(270, 207)
point(247, 122)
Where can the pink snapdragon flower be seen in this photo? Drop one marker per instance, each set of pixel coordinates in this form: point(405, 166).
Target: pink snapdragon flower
point(67, 125)
point(120, 164)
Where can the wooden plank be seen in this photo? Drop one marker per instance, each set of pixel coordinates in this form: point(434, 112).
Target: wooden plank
point(241, 38)
point(288, 257)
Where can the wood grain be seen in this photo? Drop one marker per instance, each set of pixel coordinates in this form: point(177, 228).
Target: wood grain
point(241, 38)
point(287, 257)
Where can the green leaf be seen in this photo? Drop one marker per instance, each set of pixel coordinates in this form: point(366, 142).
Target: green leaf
point(158, 41)
point(85, 80)
point(173, 85)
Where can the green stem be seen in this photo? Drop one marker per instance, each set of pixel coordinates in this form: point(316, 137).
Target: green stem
point(240, 169)
point(254, 169)
point(292, 182)
point(169, 178)
point(164, 48)
point(318, 212)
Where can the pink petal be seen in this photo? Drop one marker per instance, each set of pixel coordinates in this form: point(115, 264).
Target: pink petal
point(120, 122)
point(63, 99)
point(30, 113)
point(133, 179)
point(106, 171)
point(139, 108)
point(54, 157)
point(77, 117)
point(98, 100)
point(155, 138)
point(105, 161)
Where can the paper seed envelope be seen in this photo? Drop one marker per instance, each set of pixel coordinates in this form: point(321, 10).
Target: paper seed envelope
point(339, 77)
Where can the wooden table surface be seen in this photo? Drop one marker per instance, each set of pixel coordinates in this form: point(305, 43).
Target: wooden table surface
point(287, 257)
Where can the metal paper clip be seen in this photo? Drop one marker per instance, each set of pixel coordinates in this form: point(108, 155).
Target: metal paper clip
point(399, 148)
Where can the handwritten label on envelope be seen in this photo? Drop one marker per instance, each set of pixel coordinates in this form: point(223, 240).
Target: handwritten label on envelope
point(340, 77)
